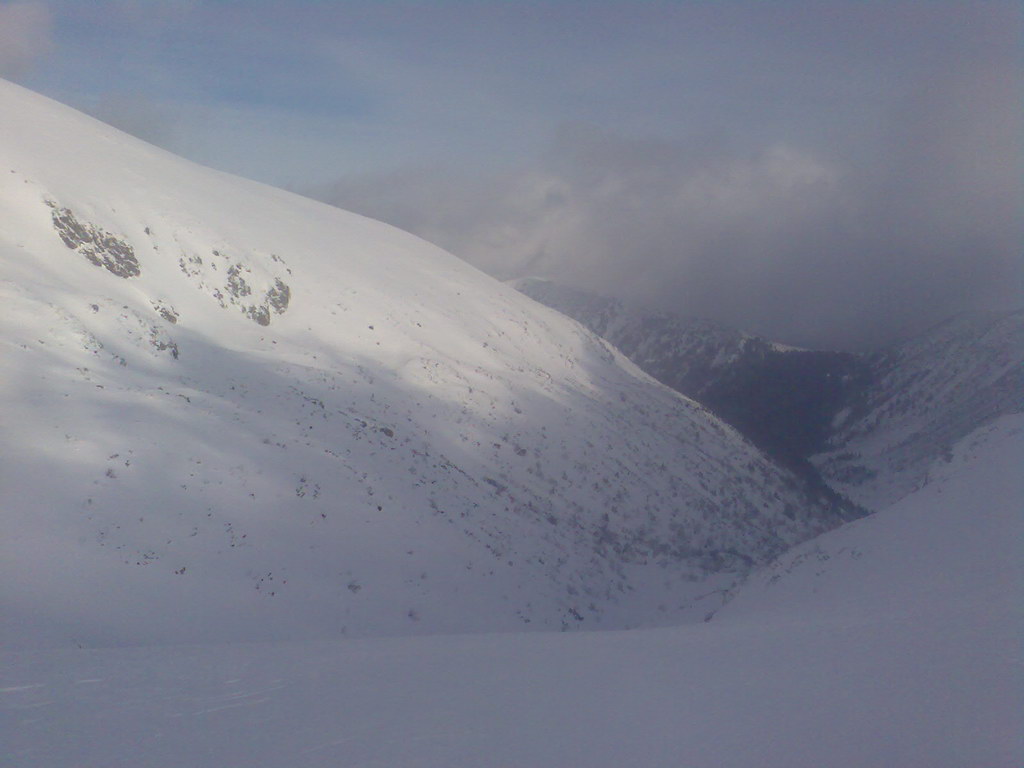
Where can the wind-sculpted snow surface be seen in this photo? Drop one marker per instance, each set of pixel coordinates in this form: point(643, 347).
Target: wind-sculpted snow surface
point(927, 394)
point(293, 421)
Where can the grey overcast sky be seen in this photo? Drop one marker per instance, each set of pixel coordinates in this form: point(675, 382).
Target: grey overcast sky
point(829, 173)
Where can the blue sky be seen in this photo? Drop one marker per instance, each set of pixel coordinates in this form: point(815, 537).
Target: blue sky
point(859, 160)
point(380, 85)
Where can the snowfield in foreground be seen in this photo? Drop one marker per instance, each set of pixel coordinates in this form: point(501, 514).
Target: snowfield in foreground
point(894, 640)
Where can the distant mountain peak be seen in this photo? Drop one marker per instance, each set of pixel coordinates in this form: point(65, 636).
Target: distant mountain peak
point(781, 397)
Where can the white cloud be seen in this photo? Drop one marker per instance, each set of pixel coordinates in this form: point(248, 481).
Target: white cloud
point(781, 240)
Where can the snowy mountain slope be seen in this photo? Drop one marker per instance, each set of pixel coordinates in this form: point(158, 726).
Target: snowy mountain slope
point(926, 394)
point(781, 397)
point(957, 541)
point(894, 640)
point(231, 412)
point(690, 351)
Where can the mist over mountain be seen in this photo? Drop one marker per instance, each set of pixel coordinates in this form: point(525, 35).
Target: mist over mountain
point(781, 397)
point(868, 427)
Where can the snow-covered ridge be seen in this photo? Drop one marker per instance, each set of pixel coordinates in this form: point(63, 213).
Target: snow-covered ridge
point(926, 395)
point(690, 346)
point(231, 412)
point(957, 538)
